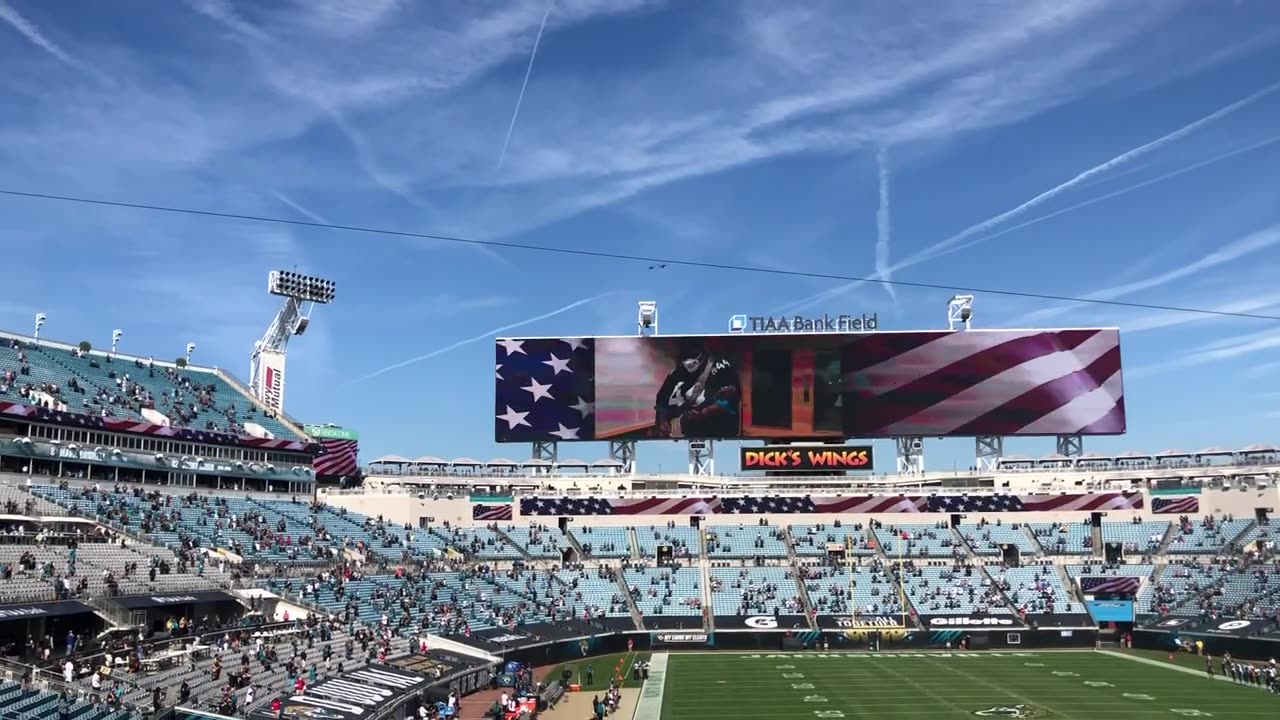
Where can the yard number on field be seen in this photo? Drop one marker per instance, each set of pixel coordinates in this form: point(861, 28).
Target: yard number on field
point(1190, 712)
point(828, 713)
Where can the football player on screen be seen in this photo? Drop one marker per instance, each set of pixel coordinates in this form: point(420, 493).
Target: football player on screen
point(701, 396)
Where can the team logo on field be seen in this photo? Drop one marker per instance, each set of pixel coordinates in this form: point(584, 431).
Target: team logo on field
point(1014, 711)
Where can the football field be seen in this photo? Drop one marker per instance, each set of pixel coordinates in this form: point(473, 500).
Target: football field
point(1082, 685)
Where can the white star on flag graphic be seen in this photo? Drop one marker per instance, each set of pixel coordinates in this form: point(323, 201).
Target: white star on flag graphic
point(498, 371)
point(565, 433)
point(574, 343)
point(514, 419)
point(583, 407)
point(557, 364)
point(512, 346)
point(538, 390)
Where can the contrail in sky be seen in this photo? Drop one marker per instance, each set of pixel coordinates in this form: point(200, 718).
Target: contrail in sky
point(478, 338)
point(524, 85)
point(882, 224)
point(941, 247)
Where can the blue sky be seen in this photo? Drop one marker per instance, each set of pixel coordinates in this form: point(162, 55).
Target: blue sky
point(1121, 151)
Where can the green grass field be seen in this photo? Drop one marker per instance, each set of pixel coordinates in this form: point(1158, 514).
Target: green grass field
point(604, 667)
point(833, 686)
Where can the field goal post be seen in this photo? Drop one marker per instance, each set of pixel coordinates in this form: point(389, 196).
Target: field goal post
point(851, 567)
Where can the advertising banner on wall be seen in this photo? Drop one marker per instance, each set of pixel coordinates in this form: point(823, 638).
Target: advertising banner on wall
point(1111, 610)
point(350, 696)
point(761, 622)
point(775, 458)
point(809, 386)
point(272, 379)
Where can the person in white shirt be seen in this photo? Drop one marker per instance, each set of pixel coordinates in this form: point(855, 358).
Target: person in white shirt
point(503, 699)
point(248, 697)
point(69, 671)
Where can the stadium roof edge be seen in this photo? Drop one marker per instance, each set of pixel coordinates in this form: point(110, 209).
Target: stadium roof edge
point(800, 334)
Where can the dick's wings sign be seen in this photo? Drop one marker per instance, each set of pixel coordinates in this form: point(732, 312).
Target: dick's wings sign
point(806, 457)
point(351, 696)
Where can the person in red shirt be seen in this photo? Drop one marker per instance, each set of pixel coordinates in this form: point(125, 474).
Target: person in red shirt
point(300, 686)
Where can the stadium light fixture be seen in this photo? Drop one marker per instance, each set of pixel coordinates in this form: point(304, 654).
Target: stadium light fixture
point(959, 311)
point(191, 348)
point(115, 340)
point(40, 318)
point(647, 317)
point(287, 283)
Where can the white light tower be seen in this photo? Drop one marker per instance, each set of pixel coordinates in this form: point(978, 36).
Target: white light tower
point(115, 340)
point(191, 348)
point(266, 363)
point(647, 317)
point(40, 318)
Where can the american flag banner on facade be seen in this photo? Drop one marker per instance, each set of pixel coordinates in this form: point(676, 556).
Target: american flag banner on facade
point(854, 505)
point(1024, 382)
point(340, 457)
point(1098, 584)
point(545, 390)
point(490, 512)
point(1076, 502)
point(1185, 505)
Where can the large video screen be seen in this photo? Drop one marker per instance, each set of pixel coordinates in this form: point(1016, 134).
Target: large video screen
point(821, 386)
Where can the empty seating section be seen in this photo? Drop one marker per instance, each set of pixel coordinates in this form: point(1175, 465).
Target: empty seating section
point(1268, 530)
point(483, 543)
point(14, 501)
point(33, 704)
point(1244, 593)
point(744, 541)
point(665, 591)
point(603, 542)
point(755, 591)
point(540, 542)
point(189, 397)
point(958, 590)
point(935, 541)
point(988, 538)
point(858, 591)
point(1177, 583)
point(812, 540)
point(1074, 538)
point(1139, 537)
point(1205, 535)
point(587, 589)
point(1036, 590)
point(683, 539)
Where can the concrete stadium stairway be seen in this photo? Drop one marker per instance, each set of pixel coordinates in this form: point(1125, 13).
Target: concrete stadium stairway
point(524, 551)
point(634, 543)
point(1035, 542)
point(801, 591)
point(631, 603)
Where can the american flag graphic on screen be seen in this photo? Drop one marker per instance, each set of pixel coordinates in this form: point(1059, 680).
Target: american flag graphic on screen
point(1185, 505)
point(545, 390)
point(1005, 382)
point(339, 458)
point(1097, 584)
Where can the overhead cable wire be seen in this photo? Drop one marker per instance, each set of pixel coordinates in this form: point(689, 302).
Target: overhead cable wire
point(647, 259)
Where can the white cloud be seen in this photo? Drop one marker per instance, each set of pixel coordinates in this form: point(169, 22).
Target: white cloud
point(955, 241)
point(33, 34)
point(1235, 250)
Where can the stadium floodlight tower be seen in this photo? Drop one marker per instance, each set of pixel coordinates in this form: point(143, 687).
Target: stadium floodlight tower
point(988, 449)
point(301, 293)
point(40, 320)
point(115, 341)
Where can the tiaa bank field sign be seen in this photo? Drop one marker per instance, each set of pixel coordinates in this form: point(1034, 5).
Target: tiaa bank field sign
point(801, 324)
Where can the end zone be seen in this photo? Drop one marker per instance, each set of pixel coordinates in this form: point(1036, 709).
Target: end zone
point(650, 705)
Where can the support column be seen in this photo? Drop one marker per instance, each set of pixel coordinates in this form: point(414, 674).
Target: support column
point(546, 451)
point(910, 455)
point(1071, 446)
point(702, 457)
point(624, 451)
point(990, 448)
